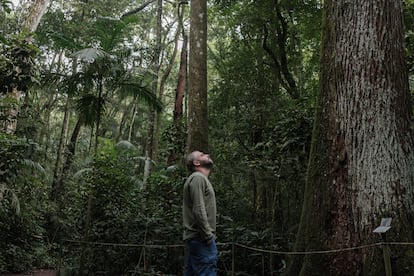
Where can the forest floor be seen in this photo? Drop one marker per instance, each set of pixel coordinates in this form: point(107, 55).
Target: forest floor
point(37, 272)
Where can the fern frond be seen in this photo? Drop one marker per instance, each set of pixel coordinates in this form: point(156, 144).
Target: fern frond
point(35, 166)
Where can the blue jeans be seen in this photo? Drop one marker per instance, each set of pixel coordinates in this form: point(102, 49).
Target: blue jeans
point(201, 258)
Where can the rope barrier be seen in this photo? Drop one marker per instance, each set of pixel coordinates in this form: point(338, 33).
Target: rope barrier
point(126, 244)
point(309, 252)
point(247, 247)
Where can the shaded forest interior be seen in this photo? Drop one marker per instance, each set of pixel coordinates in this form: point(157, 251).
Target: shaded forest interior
point(101, 100)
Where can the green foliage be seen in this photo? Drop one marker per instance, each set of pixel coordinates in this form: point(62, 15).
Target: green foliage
point(5, 5)
point(23, 205)
point(259, 134)
point(409, 33)
point(17, 66)
point(122, 212)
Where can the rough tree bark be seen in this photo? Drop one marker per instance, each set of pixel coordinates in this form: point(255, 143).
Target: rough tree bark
point(197, 83)
point(361, 161)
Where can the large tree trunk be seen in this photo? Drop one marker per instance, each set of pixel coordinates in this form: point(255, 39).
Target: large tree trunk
point(197, 86)
point(361, 161)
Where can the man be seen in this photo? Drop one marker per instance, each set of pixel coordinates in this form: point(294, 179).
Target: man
point(199, 217)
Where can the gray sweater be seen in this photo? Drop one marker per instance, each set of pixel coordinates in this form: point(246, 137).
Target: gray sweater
point(199, 208)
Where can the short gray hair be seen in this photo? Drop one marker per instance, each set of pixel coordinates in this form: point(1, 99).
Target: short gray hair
point(191, 158)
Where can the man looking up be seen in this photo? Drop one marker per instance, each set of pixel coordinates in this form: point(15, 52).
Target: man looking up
point(199, 217)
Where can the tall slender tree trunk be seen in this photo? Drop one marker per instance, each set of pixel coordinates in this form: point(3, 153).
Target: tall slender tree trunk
point(178, 146)
point(180, 90)
point(149, 152)
point(126, 111)
point(182, 73)
point(71, 148)
point(131, 125)
point(56, 190)
point(197, 86)
point(161, 91)
point(361, 161)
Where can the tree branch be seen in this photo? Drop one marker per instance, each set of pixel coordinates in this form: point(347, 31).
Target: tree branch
point(140, 8)
point(276, 65)
point(282, 35)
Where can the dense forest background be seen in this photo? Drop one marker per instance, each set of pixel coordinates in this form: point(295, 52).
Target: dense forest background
point(101, 125)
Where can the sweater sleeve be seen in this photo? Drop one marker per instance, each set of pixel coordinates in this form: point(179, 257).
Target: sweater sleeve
point(197, 187)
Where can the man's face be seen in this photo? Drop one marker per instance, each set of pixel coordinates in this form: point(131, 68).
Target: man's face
point(204, 163)
point(205, 159)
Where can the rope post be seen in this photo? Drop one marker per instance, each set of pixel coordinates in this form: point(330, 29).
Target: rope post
point(382, 229)
point(59, 268)
point(263, 265)
point(387, 259)
point(232, 259)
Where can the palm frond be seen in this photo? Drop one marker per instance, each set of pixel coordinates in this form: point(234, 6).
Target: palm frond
point(90, 54)
point(65, 42)
point(88, 107)
point(35, 166)
point(125, 145)
point(142, 93)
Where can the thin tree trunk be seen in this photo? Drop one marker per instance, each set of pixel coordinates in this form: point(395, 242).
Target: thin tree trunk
point(182, 75)
point(98, 120)
point(177, 141)
point(71, 149)
point(151, 120)
point(161, 92)
point(122, 124)
point(197, 86)
point(131, 126)
point(180, 90)
point(56, 190)
point(361, 160)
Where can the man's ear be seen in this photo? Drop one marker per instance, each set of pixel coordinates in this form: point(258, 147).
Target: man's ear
point(196, 163)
